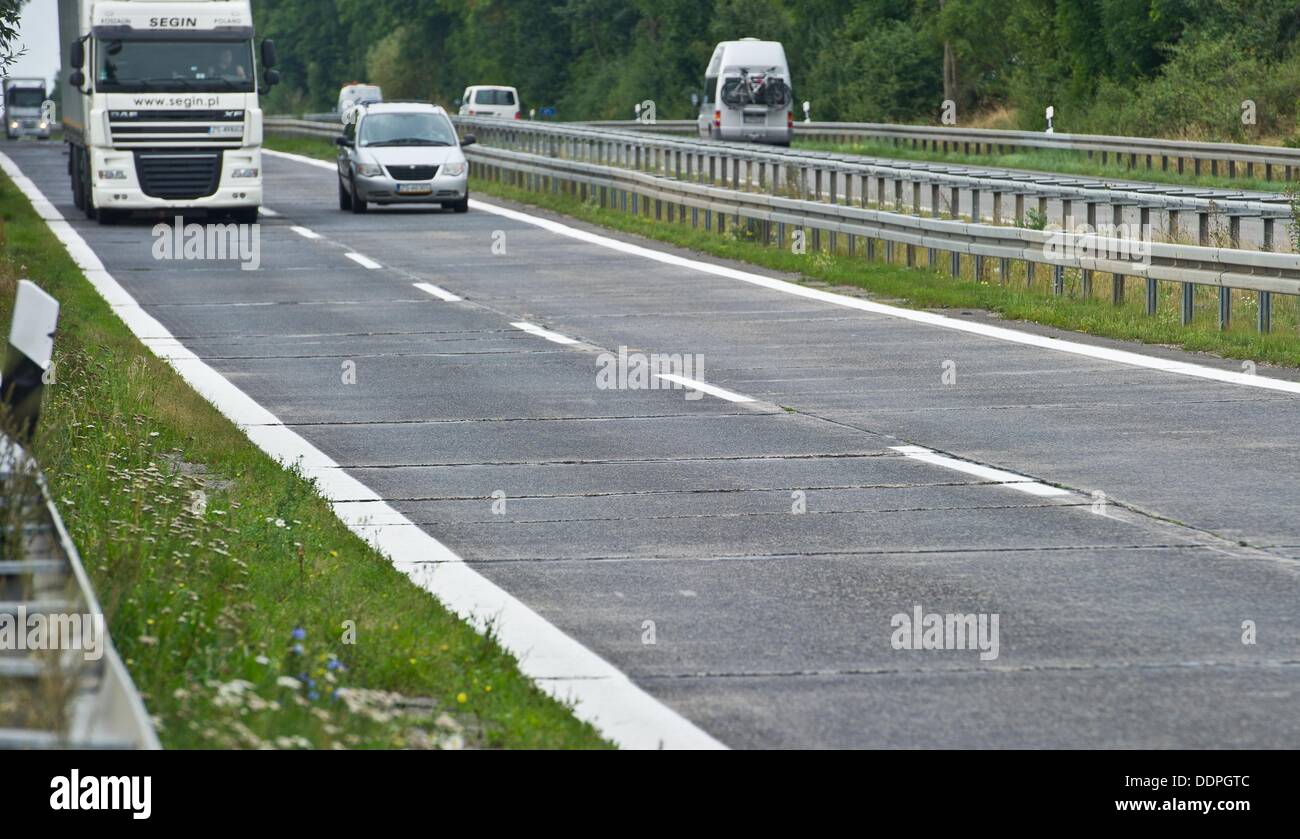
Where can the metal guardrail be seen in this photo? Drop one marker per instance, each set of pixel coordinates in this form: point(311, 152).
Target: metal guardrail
point(1168, 201)
point(76, 693)
point(742, 182)
point(41, 573)
point(1154, 152)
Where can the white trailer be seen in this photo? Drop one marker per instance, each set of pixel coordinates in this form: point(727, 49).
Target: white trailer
point(26, 114)
point(160, 106)
point(747, 93)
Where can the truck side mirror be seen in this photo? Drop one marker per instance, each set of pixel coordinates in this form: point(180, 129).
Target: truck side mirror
point(77, 79)
point(77, 55)
point(271, 77)
point(268, 53)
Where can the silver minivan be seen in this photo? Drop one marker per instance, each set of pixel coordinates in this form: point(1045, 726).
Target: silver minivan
point(747, 93)
point(402, 153)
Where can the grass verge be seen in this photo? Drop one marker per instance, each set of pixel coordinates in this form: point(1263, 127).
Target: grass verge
point(227, 580)
point(1016, 299)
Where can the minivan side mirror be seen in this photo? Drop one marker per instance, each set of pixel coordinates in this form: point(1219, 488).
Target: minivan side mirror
point(342, 140)
point(468, 140)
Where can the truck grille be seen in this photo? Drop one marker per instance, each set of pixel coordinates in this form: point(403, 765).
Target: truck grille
point(178, 173)
point(211, 129)
point(412, 173)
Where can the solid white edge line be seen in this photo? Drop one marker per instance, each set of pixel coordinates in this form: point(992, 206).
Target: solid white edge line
point(304, 232)
point(599, 693)
point(712, 390)
point(363, 260)
point(1000, 333)
point(1022, 483)
point(440, 293)
point(534, 329)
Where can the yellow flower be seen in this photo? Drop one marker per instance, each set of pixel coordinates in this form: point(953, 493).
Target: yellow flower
point(462, 698)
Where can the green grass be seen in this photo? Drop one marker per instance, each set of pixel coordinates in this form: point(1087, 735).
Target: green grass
point(1063, 162)
point(922, 288)
point(209, 559)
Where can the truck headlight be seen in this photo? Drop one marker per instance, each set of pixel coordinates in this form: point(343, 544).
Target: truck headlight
point(454, 169)
point(244, 173)
point(112, 174)
point(13, 124)
point(369, 170)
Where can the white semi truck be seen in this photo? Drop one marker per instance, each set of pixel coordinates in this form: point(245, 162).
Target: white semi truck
point(160, 108)
point(26, 114)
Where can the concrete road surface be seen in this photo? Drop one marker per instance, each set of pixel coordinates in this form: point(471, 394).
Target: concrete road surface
point(766, 546)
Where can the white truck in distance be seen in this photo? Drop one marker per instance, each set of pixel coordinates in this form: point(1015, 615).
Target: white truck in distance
point(25, 114)
point(160, 108)
point(747, 93)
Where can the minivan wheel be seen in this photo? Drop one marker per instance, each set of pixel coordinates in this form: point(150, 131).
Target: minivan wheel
point(461, 206)
point(358, 205)
point(345, 197)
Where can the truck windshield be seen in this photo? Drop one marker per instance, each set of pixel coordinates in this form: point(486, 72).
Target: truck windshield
point(135, 66)
point(25, 97)
point(407, 130)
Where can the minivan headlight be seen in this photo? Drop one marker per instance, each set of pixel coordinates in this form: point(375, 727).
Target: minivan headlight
point(454, 169)
point(369, 170)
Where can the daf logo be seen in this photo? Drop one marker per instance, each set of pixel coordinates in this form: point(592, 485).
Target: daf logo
point(173, 22)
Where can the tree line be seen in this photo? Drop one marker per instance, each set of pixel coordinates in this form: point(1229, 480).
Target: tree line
point(1212, 69)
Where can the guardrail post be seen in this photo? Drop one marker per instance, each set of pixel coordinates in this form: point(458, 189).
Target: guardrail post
point(1117, 289)
point(1153, 295)
point(1066, 206)
point(1031, 268)
point(1203, 229)
point(1265, 323)
point(1225, 307)
point(916, 198)
point(1058, 280)
point(1189, 303)
point(1004, 270)
point(997, 208)
point(975, 205)
point(956, 203)
point(1020, 210)
point(834, 187)
point(1173, 225)
point(954, 267)
point(934, 200)
point(1268, 234)
point(1234, 230)
point(1085, 283)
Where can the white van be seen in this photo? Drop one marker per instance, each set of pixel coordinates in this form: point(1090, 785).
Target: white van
point(484, 100)
point(357, 93)
point(747, 93)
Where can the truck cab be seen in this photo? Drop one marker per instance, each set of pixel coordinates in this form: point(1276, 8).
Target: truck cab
point(747, 93)
point(160, 106)
point(25, 113)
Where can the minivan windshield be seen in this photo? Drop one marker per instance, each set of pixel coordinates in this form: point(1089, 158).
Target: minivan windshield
point(135, 66)
point(418, 129)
